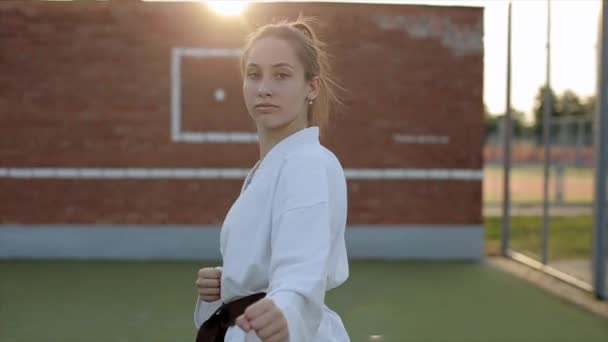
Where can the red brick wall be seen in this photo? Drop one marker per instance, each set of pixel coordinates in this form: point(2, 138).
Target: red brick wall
point(88, 84)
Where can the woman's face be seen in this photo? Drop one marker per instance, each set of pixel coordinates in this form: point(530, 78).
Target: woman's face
point(274, 87)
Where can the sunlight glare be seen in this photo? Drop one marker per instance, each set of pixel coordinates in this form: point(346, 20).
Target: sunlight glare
point(227, 8)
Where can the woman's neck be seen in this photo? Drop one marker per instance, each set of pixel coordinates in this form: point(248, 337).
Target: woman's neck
point(268, 138)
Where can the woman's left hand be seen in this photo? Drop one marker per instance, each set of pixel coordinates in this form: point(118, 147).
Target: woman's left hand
point(266, 319)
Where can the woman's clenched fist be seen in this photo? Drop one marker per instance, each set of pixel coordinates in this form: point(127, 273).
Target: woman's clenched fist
point(208, 283)
point(266, 319)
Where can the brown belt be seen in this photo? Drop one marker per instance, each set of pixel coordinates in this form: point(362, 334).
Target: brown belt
point(214, 329)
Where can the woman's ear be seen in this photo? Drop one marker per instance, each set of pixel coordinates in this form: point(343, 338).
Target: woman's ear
point(314, 86)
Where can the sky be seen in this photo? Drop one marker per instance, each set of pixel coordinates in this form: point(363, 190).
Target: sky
point(573, 47)
point(574, 28)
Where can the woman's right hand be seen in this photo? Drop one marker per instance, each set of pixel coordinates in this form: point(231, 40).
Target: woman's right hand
point(208, 283)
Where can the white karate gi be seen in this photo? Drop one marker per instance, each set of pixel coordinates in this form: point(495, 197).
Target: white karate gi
point(284, 235)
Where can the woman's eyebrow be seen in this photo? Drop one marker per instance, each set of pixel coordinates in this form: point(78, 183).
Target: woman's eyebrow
point(276, 65)
point(283, 64)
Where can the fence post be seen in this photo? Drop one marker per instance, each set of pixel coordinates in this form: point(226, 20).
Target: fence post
point(600, 222)
point(506, 201)
point(547, 142)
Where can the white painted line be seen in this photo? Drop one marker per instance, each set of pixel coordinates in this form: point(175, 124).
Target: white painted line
point(111, 173)
point(206, 52)
point(157, 173)
point(359, 173)
point(225, 173)
point(244, 137)
point(89, 173)
point(421, 139)
point(416, 174)
point(460, 174)
point(394, 173)
point(218, 137)
point(208, 173)
point(234, 173)
point(176, 111)
point(185, 173)
point(439, 174)
point(67, 173)
point(136, 173)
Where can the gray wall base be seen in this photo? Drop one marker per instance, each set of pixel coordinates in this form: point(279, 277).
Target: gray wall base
point(202, 242)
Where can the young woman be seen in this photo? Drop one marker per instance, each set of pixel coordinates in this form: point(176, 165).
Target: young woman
point(282, 241)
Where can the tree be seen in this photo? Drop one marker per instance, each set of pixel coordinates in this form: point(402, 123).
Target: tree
point(566, 104)
point(590, 104)
point(539, 111)
point(495, 122)
point(569, 104)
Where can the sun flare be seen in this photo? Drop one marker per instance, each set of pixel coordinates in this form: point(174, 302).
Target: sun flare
point(227, 8)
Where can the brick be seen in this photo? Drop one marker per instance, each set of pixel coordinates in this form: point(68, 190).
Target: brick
point(88, 84)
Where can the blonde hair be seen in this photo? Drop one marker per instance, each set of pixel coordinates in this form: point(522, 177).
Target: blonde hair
point(310, 51)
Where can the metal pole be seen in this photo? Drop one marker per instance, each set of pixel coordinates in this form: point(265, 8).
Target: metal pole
point(600, 221)
point(506, 192)
point(547, 141)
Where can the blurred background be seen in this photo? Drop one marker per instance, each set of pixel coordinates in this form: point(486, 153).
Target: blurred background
point(471, 136)
point(553, 142)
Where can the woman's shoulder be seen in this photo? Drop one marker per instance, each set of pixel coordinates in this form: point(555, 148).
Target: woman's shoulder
point(313, 156)
point(312, 153)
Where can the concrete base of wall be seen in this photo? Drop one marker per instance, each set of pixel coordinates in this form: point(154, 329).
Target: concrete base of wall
point(202, 242)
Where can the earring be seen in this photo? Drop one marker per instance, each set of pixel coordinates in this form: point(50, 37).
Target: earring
point(309, 102)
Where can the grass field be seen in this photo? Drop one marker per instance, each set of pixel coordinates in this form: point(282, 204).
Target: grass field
point(402, 301)
point(527, 185)
point(569, 237)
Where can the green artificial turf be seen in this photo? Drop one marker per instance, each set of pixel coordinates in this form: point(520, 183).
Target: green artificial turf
point(45, 301)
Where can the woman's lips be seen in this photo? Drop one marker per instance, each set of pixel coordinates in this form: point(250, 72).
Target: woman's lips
point(265, 108)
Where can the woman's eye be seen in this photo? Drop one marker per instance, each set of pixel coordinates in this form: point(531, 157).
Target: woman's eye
point(282, 75)
point(252, 75)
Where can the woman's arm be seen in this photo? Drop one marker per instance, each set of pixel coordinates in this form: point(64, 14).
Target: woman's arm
point(300, 244)
point(208, 283)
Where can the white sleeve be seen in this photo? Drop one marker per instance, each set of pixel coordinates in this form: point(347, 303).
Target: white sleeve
point(236, 334)
point(204, 310)
point(300, 243)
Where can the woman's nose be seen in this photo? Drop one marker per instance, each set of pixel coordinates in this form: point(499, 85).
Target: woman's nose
point(264, 88)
